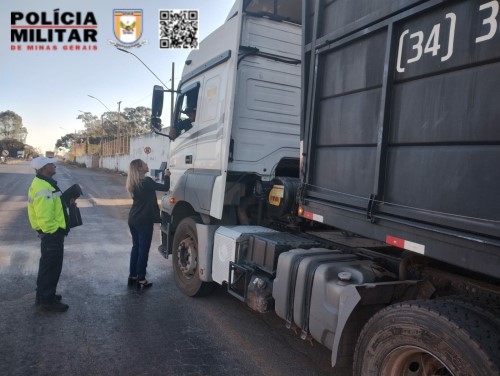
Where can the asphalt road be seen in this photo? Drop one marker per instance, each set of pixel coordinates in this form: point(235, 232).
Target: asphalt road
point(111, 329)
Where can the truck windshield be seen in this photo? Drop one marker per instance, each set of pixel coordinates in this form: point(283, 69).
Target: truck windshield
point(286, 10)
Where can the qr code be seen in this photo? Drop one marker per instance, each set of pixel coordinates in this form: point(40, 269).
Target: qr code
point(179, 28)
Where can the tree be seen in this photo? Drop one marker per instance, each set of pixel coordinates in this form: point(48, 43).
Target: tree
point(12, 146)
point(11, 126)
point(30, 152)
point(130, 121)
point(65, 141)
point(109, 123)
point(137, 120)
point(93, 125)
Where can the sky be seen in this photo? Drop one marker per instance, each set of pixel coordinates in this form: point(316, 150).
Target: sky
point(49, 89)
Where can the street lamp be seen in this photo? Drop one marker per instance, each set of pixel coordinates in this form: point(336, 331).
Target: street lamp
point(128, 52)
point(166, 88)
point(97, 99)
point(118, 117)
point(69, 132)
point(87, 142)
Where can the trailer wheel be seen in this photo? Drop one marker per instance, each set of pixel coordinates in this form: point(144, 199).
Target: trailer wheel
point(427, 338)
point(185, 260)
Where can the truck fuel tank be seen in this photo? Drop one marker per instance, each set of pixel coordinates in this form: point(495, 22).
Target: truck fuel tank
point(309, 286)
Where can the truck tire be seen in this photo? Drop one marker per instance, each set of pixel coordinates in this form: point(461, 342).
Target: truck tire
point(489, 309)
point(185, 260)
point(427, 338)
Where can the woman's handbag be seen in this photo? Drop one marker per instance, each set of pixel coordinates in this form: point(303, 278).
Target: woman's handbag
point(75, 218)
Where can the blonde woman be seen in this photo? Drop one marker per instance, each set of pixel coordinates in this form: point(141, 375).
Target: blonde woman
point(142, 216)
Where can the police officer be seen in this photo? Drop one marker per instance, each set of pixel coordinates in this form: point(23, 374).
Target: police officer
point(48, 216)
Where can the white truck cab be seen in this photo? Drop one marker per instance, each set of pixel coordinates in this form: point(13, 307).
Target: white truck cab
point(244, 82)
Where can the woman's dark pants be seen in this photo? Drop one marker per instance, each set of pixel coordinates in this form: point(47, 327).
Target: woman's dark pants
point(141, 242)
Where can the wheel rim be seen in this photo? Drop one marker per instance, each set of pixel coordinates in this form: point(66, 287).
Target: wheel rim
point(187, 257)
point(413, 361)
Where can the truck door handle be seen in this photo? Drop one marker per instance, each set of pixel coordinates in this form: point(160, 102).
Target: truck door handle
point(189, 159)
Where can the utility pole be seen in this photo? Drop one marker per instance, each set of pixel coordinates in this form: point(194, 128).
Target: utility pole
point(119, 118)
point(172, 96)
point(102, 134)
point(119, 135)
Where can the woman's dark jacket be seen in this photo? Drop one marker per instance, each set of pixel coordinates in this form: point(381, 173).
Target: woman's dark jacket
point(145, 208)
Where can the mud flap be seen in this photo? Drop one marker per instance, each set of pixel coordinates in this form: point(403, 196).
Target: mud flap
point(206, 235)
point(165, 248)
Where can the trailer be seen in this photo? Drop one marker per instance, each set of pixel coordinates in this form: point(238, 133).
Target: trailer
point(340, 172)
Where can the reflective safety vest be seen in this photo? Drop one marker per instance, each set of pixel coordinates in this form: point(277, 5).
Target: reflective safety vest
point(45, 207)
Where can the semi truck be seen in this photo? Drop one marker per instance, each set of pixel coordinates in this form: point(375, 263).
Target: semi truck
point(341, 172)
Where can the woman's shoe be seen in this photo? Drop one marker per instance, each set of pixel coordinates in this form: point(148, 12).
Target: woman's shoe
point(144, 284)
point(132, 281)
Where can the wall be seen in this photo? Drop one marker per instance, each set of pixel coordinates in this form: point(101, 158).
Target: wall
point(159, 146)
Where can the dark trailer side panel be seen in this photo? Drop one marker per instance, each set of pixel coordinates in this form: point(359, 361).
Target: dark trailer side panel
point(401, 124)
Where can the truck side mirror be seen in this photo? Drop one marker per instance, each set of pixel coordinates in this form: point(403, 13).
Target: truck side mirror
point(156, 123)
point(157, 107)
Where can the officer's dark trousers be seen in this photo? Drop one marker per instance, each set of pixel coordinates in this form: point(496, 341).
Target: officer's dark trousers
point(49, 270)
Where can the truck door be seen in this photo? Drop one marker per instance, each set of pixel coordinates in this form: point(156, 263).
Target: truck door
point(183, 146)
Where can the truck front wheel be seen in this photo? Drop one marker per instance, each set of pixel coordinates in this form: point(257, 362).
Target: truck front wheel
point(427, 338)
point(185, 260)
